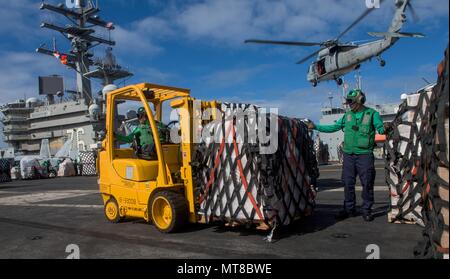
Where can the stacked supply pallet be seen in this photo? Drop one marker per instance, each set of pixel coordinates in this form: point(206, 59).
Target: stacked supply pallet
point(434, 171)
point(322, 153)
point(5, 170)
point(87, 163)
point(402, 153)
point(238, 182)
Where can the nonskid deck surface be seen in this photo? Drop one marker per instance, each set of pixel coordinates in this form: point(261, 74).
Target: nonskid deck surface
point(39, 218)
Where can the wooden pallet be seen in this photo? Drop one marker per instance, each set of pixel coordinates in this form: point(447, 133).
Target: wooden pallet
point(259, 225)
point(392, 219)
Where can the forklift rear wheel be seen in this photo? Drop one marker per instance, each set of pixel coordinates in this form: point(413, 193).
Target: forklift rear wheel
point(169, 211)
point(112, 211)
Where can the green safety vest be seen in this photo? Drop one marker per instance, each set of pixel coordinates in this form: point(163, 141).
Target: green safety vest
point(359, 135)
point(145, 134)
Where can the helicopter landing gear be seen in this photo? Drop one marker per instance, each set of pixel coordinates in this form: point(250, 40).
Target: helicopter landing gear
point(339, 81)
point(314, 83)
point(381, 60)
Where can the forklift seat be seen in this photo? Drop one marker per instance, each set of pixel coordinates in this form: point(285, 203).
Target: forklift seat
point(136, 169)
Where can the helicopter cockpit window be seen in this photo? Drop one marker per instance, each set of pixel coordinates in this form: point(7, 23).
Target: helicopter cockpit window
point(320, 67)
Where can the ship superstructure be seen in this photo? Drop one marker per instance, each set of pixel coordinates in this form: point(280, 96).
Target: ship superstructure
point(62, 114)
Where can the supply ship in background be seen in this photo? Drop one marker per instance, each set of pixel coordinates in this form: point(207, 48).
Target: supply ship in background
point(59, 114)
point(331, 113)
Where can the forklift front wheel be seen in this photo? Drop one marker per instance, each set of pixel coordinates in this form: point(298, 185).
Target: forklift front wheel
point(169, 211)
point(112, 211)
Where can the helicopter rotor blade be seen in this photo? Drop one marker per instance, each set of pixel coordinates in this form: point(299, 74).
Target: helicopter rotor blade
point(310, 56)
point(361, 17)
point(413, 12)
point(283, 43)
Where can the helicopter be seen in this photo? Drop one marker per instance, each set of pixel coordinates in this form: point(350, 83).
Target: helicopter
point(335, 59)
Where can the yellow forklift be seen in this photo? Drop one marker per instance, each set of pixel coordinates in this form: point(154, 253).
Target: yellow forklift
point(159, 190)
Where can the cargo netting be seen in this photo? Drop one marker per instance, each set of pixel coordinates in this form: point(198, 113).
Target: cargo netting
point(88, 163)
point(237, 182)
point(417, 167)
point(402, 152)
point(5, 170)
point(322, 152)
point(433, 171)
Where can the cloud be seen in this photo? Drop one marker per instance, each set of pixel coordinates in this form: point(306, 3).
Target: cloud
point(231, 77)
point(20, 71)
point(228, 23)
point(430, 9)
point(413, 78)
point(298, 103)
point(219, 20)
point(427, 69)
point(223, 23)
point(15, 17)
point(141, 38)
point(156, 76)
point(307, 102)
point(388, 89)
point(20, 20)
point(133, 42)
point(231, 22)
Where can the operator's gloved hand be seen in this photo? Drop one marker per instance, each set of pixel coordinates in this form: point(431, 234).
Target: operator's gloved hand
point(309, 123)
point(387, 127)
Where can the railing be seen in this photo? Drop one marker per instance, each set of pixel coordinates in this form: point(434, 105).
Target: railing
point(13, 130)
point(17, 137)
point(13, 119)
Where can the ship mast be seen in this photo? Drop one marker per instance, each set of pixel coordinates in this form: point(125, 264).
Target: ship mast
point(330, 98)
point(83, 16)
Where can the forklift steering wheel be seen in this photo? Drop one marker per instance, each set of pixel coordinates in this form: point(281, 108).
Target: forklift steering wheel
point(172, 123)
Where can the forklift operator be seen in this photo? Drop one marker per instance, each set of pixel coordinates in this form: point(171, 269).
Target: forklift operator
point(359, 126)
point(143, 135)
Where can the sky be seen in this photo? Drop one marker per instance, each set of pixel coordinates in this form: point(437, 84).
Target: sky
point(199, 45)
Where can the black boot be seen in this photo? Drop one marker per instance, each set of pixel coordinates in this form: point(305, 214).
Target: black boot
point(368, 217)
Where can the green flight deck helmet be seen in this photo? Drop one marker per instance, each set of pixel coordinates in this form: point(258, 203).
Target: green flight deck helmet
point(356, 96)
point(141, 112)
